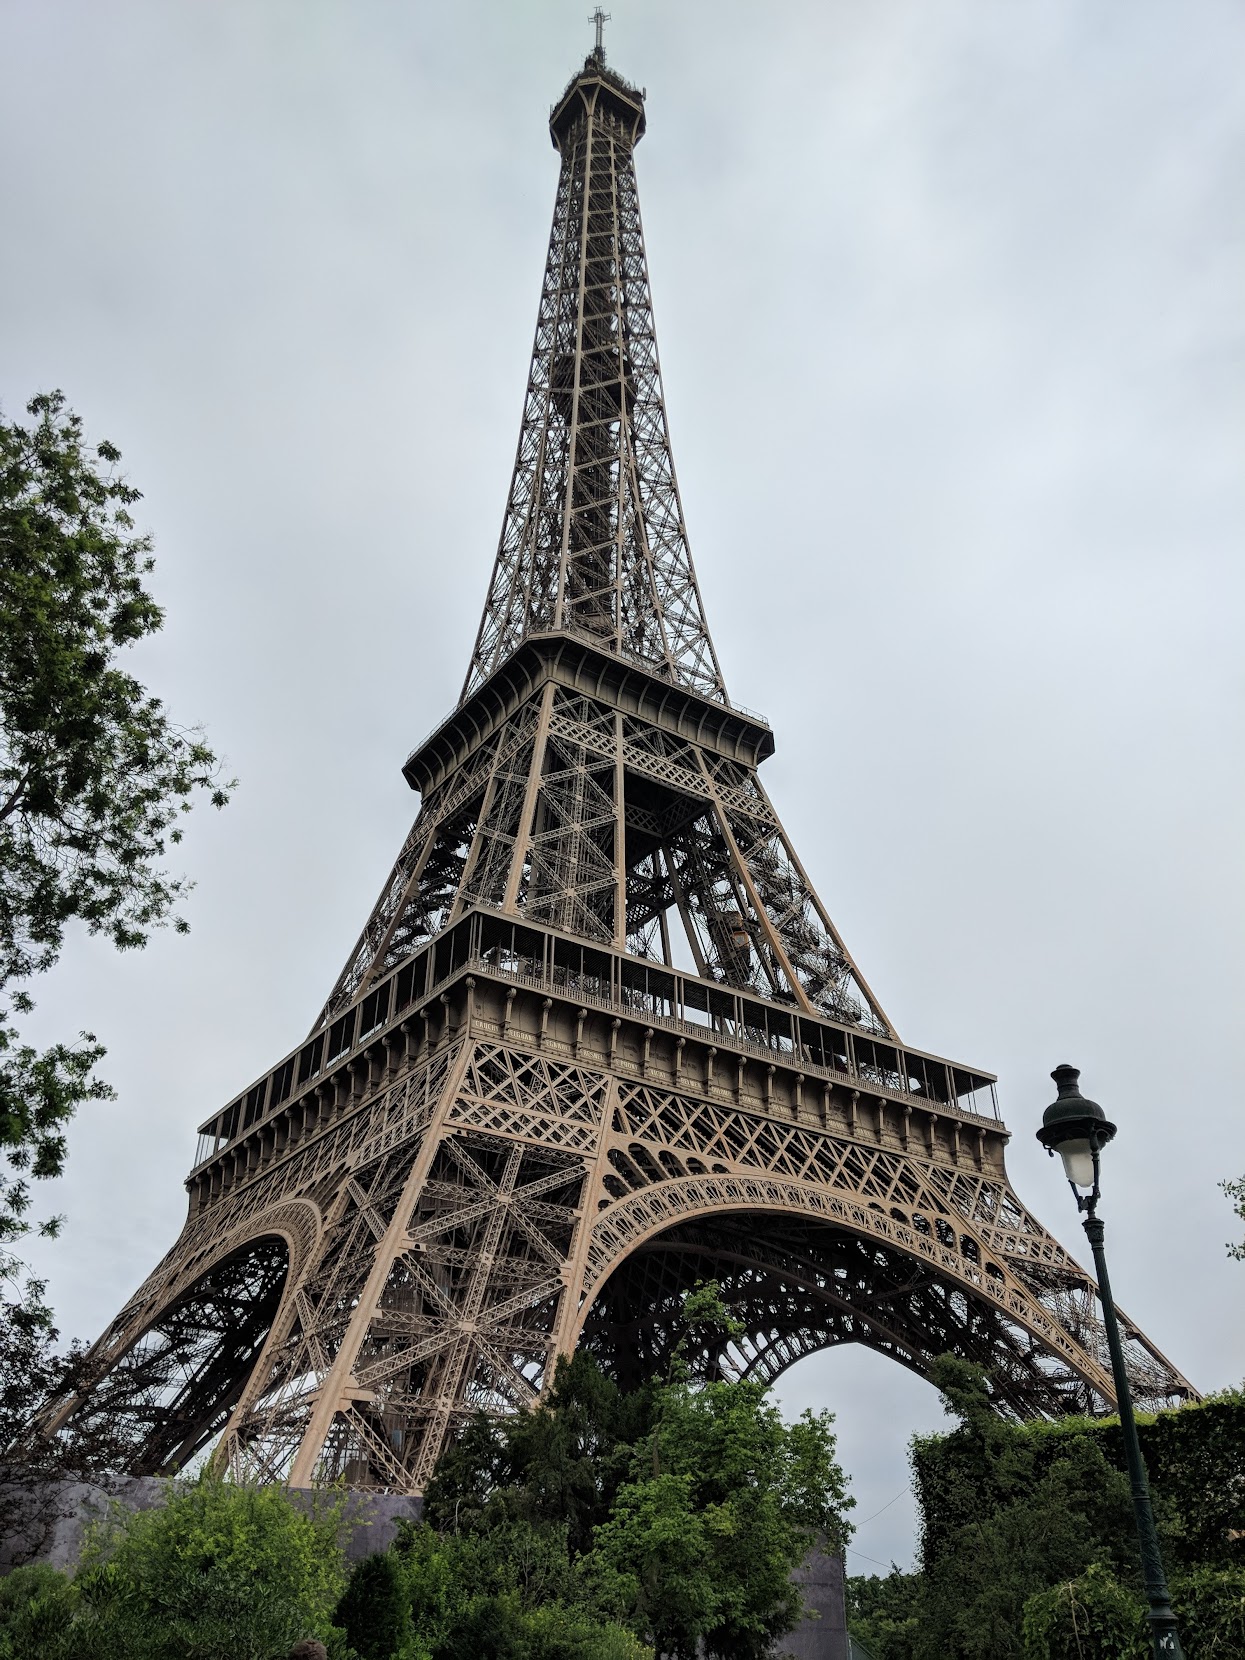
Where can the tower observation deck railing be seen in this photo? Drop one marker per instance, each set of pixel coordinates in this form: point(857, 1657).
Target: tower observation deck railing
point(611, 982)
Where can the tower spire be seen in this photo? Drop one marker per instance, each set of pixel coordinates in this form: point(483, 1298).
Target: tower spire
point(593, 539)
point(600, 18)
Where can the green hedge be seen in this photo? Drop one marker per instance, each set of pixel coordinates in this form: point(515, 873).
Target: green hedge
point(1028, 1537)
point(1195, 1456)
point(1096, 1618)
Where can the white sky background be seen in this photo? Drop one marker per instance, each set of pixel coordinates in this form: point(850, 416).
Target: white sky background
point(949, 300)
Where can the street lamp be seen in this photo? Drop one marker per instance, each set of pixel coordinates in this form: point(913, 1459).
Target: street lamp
point(1078, 1130)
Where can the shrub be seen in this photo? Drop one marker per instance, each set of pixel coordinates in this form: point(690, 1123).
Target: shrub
point(374, 1611)
point(1210, 1605)
point(556, 1632)
point(1090, 1618)
point(36, 1607)
point(219, 1572)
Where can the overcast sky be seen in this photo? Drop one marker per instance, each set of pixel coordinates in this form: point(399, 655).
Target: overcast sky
point(949, 301)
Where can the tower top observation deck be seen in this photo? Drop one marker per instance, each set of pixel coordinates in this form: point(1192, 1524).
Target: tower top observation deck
point(597, 90)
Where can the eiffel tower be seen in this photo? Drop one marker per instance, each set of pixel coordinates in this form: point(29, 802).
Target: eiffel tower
point(599, 1038)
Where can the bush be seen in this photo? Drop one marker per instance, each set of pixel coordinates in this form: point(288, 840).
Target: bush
point(219, 1570)
point(374, 1611)
point(1195, 1456)
point(1090, 1618)
point(512, 1593)
point(556, 1632)
point(36, 1607)
point(1210, 1605)
point(218, 1573)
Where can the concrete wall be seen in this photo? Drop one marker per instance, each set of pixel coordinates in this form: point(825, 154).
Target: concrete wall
point(822, 1634)
point(48, 1522)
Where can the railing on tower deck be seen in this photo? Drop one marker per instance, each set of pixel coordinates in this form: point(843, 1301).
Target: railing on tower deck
point(544, 960)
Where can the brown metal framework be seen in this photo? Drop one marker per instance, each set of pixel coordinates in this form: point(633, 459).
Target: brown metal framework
point(599, 1038)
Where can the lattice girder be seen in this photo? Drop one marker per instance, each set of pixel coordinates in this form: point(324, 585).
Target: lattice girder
point(578, 810)
point(594, 536)
point(523, 1173)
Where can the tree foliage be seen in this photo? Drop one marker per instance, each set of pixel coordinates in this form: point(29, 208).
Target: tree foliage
point(1092, 1617)
point(562, 1463)
point(884, 1613)
point(94, 775)
point(512, 1589)
point(724, 1501)
point(374, 1611)
point(1210, 1605)
point(218, 1572)
point(1236, 1192)
point(680, 1508)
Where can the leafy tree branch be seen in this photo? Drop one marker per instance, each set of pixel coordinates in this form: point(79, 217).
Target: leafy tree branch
point(95, 777)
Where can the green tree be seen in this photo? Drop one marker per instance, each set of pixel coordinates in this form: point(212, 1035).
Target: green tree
point(561, 1463)
point(678, 1507)
point(574, 1452)
point(374, 1610)
point(657, 1538)
point(725, 1501)
point(94, 775)
point(884, 1613)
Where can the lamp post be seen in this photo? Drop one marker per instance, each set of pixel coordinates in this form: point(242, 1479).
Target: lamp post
point(1078, 1130)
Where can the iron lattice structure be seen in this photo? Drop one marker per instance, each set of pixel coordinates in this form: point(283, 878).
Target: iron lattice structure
point(599, 1038)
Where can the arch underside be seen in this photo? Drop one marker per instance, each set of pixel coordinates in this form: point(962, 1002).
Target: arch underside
point(499, 1207)
point(799, 1285)
point(170, 1393)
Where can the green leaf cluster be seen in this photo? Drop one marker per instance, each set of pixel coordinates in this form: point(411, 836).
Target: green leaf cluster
point(218, 1572)
point(374, 1611)
point(1092, 1617)
point(1096, 1618)
point(1236, 1192)
point(723, 1502)
point(679, 1509)
point(510, 1592)
point(94, 775)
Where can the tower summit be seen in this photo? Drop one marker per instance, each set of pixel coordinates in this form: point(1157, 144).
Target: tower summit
point(599, 1037)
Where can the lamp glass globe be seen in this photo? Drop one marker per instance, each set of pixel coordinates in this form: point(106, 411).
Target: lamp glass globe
point(1078, 1161)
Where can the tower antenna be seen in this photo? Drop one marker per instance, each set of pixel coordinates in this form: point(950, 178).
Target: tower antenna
point(600, 18)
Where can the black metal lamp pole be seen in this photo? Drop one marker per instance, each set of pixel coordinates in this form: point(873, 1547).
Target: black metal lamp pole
point(1077, 1130)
